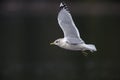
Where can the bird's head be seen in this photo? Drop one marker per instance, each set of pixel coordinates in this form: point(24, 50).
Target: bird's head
point(56, 42)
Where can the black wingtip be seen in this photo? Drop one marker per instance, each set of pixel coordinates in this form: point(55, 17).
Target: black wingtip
point(63, 5)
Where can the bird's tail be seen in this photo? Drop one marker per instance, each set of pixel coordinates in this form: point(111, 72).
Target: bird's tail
point(92, 47)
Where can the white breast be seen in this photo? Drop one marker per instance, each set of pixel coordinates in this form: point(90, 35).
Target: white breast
point(72, 47)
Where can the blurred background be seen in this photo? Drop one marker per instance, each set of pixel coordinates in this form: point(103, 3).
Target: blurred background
point(28, 26)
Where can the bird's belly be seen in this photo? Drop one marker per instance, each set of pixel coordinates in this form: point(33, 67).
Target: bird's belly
point(72, 47)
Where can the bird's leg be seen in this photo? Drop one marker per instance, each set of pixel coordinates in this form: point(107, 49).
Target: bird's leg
point(85, 53)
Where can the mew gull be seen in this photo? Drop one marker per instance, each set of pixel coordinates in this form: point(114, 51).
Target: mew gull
point(72, 39)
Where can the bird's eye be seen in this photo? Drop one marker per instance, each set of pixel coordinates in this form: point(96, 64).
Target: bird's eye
point(57, 41)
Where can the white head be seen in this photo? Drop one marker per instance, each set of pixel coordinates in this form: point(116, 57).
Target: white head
point(57, 42)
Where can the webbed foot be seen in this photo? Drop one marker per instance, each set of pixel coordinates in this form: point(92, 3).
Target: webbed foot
point(85, 53)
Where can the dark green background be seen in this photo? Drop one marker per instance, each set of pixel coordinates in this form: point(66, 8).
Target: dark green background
point(25, 34)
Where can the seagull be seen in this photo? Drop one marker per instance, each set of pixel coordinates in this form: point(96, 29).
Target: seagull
point(72, 40)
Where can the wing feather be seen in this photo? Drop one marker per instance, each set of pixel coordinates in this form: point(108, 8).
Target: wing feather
point(66, 23)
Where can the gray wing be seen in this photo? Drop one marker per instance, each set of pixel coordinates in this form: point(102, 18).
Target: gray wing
point(66, 23)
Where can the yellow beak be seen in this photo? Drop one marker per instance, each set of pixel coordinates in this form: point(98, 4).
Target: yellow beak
point(52, 43)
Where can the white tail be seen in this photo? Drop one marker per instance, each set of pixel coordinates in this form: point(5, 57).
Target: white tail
point(92, 47)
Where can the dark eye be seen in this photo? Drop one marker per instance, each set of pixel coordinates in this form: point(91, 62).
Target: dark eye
point(57, 41)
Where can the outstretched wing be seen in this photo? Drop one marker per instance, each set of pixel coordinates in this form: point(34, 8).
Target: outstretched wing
point(66, 23)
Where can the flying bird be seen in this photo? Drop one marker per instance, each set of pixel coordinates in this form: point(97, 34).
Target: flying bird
point(72, 39)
